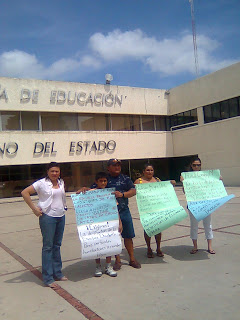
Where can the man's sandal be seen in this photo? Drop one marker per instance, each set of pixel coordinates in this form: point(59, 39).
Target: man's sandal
point(135, 264)
point(53, 285)
point(62, 279)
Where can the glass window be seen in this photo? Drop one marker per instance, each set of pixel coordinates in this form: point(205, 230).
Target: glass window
point(193, 114)
point(10, 120)
point(207, 114)
point(101, 122)
point(168, 123)
point(120, 123)
point(174, 120)
point(224, 109)
point(59, 121)
point(234, 107)
point(86, 122)
point(148, 123)
point(160, 123)
point(181, 117)
point(135, 123)
point(216, 112)
point(187, 116)
point(18, 173)
point(37, 171)
point(94, 122)
point(30, 120)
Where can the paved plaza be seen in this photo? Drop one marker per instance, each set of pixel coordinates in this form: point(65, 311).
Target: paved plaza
point(178, 286)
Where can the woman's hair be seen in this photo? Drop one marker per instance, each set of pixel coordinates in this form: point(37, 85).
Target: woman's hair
point(101, 175)
point(195, 159)
point(147, 165)
point(51, 165)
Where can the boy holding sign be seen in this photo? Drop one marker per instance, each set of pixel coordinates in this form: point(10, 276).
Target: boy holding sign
point(101, 183)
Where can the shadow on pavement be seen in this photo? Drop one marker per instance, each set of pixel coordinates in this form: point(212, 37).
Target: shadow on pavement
point(182, 253)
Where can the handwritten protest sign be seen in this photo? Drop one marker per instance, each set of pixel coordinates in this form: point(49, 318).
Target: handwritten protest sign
point(158, 206)
point(204, 191)
point(97, 223)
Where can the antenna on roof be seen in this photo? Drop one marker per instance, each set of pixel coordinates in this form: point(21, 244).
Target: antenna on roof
point(194, 39)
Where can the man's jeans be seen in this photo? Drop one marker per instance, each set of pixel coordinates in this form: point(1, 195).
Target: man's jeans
point(52, 231)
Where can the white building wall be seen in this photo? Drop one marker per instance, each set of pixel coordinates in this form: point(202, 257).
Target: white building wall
point(56, 96)
point(217, 145)
point(220, 85)
point(56, 146)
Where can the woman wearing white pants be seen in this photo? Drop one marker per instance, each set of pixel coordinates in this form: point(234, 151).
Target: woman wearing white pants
point(195, 165)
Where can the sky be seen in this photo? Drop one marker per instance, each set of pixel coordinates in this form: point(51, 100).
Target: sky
point(142, 43)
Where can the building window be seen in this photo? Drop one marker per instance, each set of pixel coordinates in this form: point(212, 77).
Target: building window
point(59, 121)
point(222, 110)
point(94, 122)
point(135, 123)
point(148, 123)
point(207, 114)
point(160, 123)
point(10, 120)
point(234, 107)
point(184, 119)
point(30, 120)
point(120, 122)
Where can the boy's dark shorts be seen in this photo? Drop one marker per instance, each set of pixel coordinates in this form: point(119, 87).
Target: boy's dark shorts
point(127, 223)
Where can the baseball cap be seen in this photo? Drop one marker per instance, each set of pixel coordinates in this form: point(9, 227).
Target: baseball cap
point(113, 162)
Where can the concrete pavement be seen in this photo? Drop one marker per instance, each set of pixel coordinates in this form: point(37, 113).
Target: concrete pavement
point(178, 286)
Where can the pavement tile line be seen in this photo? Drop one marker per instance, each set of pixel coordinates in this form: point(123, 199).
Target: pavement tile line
point(79, 306)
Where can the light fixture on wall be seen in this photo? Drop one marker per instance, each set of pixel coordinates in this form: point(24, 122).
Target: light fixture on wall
point(108, 78)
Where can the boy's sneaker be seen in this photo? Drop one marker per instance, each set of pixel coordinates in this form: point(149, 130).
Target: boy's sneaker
point(109, 271)
point(98, 271)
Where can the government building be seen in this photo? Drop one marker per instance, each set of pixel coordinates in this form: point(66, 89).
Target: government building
point(82, 125)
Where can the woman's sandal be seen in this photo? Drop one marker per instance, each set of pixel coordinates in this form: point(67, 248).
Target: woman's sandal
point(150, 254)
point(160, 254)
point(211, 251)
point(193, 251)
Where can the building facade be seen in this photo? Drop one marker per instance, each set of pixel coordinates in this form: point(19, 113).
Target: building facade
point(82, 125)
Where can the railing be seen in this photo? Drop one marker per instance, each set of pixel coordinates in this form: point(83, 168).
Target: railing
point(185, 125)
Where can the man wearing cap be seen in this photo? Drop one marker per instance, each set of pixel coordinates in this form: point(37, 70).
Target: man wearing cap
point(124, 189)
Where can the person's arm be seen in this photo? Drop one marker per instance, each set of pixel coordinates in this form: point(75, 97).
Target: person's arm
point(26, 194)
point(181, 179)
point(120, 228)
point(126, 194)
point(136, 181)
point(83, 190)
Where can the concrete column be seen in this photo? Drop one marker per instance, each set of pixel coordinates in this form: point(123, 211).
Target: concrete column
point(200, 115)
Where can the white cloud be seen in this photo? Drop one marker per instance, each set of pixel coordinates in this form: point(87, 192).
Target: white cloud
point(24, 65)
point(20, 64)
point(169, 56)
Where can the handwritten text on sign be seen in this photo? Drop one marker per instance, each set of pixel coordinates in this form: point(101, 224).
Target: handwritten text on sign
point(205, 192)
point(158, 206)
point(97, 223)
point(99, 240)
point(95, 206)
